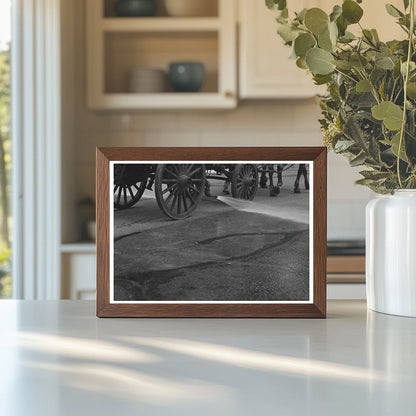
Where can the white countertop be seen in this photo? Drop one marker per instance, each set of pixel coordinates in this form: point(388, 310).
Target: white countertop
point(57, 358)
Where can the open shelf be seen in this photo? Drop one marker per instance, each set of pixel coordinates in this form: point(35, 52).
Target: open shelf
point(87, 247)
point(126, 51)
point(119, 45)
point(160, 24)
point(167, 100)
point(210, 6)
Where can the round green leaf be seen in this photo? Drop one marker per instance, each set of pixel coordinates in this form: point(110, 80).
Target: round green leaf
point(276, 4)
point(319, 61)
point(391, 114)
point(351, 11)
point(322, 79)
point(328, 38)
point(324, 41)
point(316, 20)
point(303, 43)
point(384, 62)
point(411, 90)
point(358, 61)
point(301, 15)
point(333, 32)
point(336, 12)
point(393, 11)
point(344, 65)
point(395, 145)
point(301, 63)
point(287, 33)
point(363, 86)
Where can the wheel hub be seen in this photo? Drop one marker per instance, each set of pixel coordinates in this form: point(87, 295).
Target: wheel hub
point(184, 180)
point(247, 181)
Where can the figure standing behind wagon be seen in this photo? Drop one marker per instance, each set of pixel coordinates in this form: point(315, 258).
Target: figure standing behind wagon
point(280, 168)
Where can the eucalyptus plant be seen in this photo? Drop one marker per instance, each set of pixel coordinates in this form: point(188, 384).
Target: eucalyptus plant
point(369, 111)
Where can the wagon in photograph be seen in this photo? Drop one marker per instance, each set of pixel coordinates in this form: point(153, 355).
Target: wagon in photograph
point(179, 187)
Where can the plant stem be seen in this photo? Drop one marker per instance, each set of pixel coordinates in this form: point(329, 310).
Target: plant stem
point(392, 91)
point(346, 75)
point(406, 80)
point(373, 88)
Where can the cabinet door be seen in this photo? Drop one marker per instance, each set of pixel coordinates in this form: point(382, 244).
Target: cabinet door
point(265, 68)
point(78, 276)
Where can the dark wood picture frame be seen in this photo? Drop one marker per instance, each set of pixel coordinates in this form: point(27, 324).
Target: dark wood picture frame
point(315, 309)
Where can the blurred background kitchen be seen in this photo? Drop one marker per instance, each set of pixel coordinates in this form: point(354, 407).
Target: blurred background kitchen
point(187, 73)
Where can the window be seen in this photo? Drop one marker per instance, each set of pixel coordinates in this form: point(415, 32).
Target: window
point(5, 145)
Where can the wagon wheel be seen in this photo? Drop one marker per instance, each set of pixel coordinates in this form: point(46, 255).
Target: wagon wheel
point(179, 189)
point(127, 189)
point(244, 181)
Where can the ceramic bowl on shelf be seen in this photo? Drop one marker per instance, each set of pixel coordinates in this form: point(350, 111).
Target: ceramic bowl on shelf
point(186, 76)
point(147, 81)
point(135, 8)
point(191, 8)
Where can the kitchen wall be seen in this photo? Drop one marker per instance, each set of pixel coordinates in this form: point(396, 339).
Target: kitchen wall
point(253, 123)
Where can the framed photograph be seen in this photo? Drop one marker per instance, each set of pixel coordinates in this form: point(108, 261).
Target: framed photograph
point(211, 232)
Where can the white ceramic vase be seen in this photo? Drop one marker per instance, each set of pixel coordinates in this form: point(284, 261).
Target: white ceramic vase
point(391, 253)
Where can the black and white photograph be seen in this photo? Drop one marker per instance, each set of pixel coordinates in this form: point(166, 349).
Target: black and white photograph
point(211, 232)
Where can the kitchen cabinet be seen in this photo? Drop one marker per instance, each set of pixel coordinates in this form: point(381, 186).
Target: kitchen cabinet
point(265, 69)
point(118, 45)
point(78, 263)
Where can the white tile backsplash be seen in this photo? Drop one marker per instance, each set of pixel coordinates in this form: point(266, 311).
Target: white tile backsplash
point(253, 123)
point(258, 123)
point(346, 219)
point(171, 138)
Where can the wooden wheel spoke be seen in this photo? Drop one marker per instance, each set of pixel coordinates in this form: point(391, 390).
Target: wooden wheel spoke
point(244, 181)
point(179, 203)
point(125, 195)
point(169, 189)
point(170, 172)
point(190, 196)
point(194, 189)
point(174, 201)
point(189, 168)
point(119, 195)
point(128, 191)
point(177, 192)
point(195, 171)
point(185, 205)
point(169, 198)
